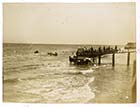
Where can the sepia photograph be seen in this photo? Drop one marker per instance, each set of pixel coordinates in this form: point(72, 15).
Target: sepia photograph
point(61, 53)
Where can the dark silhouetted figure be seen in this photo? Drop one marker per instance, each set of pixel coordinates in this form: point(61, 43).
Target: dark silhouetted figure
point(116, 48)
point(104, 49)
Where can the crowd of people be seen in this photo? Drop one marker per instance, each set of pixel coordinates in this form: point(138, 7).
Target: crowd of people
point(93, 52)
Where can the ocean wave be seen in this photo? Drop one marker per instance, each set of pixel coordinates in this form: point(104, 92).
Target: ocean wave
point(72, 72)
point(14, 80)
point(77, 72)
point(23, 67)
point(11, 80)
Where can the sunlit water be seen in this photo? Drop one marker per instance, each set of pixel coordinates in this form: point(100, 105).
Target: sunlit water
point(39, 78)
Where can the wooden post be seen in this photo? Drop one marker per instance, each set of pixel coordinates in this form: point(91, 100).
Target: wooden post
point(134, 82)
point(99, 62)
point(128, 58)
point(113, 59)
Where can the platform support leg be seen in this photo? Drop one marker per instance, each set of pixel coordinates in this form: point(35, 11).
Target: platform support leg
point(99, 61)
point(128, 58)
point(113, 59)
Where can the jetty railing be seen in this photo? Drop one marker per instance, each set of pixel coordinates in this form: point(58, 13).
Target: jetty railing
point(98, 53)
point(113, 57)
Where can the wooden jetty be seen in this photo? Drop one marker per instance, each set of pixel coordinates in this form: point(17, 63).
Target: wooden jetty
point(86, 56)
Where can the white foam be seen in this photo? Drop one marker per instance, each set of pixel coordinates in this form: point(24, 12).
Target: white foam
point(87, 71)
point(71, 95)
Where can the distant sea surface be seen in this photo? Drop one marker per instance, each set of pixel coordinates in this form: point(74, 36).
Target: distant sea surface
point(40, 78)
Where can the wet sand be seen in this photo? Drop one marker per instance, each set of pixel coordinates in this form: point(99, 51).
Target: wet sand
point(110, 90)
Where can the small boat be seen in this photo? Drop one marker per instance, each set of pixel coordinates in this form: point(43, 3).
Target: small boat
point(36, 51)
point(52, 54)
point(81, 60)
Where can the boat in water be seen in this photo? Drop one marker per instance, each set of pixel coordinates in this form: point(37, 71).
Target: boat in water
point(52, 53)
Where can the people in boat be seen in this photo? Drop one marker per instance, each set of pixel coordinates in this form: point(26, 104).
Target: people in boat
point(52, 54)
point(55, 54)
point(36, 51)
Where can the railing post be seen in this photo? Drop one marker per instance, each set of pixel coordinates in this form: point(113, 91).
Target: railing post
point(99, 61)
point(128, 58)
point(113, 59)
point(134, 82)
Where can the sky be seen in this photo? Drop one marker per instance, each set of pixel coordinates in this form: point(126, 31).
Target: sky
point(69, 23)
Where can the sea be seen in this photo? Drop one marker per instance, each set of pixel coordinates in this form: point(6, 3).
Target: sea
point(30, 77)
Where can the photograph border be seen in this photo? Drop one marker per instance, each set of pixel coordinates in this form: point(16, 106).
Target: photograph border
point(137, 104)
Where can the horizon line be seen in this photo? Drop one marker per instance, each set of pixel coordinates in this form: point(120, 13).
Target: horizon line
point(61, 43)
